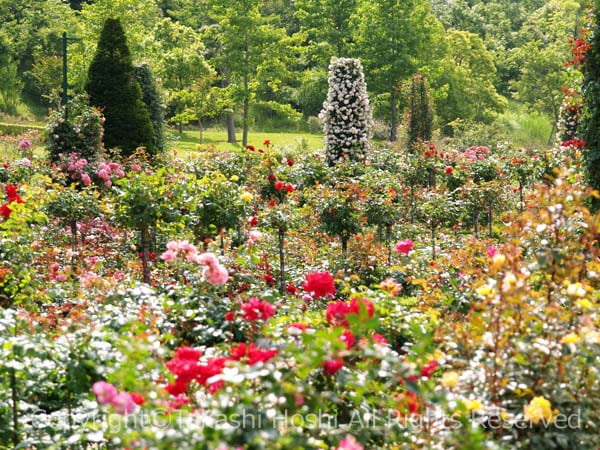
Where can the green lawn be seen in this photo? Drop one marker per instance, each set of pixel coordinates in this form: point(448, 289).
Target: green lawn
point(189, 141)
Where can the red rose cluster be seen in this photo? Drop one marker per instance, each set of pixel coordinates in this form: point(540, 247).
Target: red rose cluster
point(13, 196)
point(187, 367)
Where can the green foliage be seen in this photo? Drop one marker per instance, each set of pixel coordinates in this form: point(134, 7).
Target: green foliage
point(112, 87)
point(153, 100)
point(465, 87)
point(591, 96)
point(81, 133)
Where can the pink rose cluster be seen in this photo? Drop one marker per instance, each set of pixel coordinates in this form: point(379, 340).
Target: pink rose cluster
point(106, 170)
point(75, 167)
point(214, 272)
point(123, 402)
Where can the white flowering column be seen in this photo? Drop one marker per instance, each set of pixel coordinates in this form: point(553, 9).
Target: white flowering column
point(346, 113)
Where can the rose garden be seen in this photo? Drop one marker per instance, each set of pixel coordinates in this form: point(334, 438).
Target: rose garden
point(422, 294)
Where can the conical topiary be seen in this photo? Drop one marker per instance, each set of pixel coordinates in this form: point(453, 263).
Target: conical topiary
point(113, 89)
point(346, 113)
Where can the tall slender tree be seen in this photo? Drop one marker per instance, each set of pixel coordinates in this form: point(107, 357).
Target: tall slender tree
point(113, 89)
point(251, 52)
point(420, 119)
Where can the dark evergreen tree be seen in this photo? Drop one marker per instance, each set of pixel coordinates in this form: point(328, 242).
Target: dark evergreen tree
point(420, 119)
point(113, 89)
point(152, 99)
point(591, 98)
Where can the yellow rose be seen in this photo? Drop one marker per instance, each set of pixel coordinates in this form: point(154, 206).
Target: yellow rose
point(473, 405)
point(247, 196)
point(537, 410)
point(234, 178)
point(450, 379)
point(485, 290)
point(584, 303)
point(571, 338)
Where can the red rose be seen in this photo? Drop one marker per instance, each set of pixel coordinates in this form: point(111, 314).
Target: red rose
point(428, 369)
point(336, 313)
point(253, 221)
point(331, 367)
point(290, 162)
point(266, 143)
point(360, 306)
point(448, 170)
point(348, 338)
point(138, 399)
point(230, 316)
point(291, 289)
point(271, 177)
point(5, 211)
point(320, 284)
point(279, 185)
point(289, 188)
point(269, 279)
point(272, 203)
point(251, 147)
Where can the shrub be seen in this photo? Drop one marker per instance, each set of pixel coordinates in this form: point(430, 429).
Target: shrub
point(153, 101)
point(81, 133)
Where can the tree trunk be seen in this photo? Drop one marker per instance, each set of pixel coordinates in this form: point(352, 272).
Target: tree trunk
point(201, 130)
point(433, 253)
point(431, 178)
point(281, 261)
point(245, 123)
point(145, 252)
point(231, 129)
point(388, 239)
point(344, 248)
point(394, 118)
point(15, 407)
point(490, 218)
point(412, 204)
point(476, 223)
point(521, 198)
point(246, 90)
point(73, 243)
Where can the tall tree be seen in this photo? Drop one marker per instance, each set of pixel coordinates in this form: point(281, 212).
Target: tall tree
point(328, 28)
point(251, 52)
point(465, 82)
point(113, 88)
point(393, 39)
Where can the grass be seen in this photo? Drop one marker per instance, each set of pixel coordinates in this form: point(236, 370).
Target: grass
point(526, 128)
point(188, 141)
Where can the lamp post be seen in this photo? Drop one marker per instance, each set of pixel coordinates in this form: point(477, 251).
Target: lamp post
point(65, 84)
